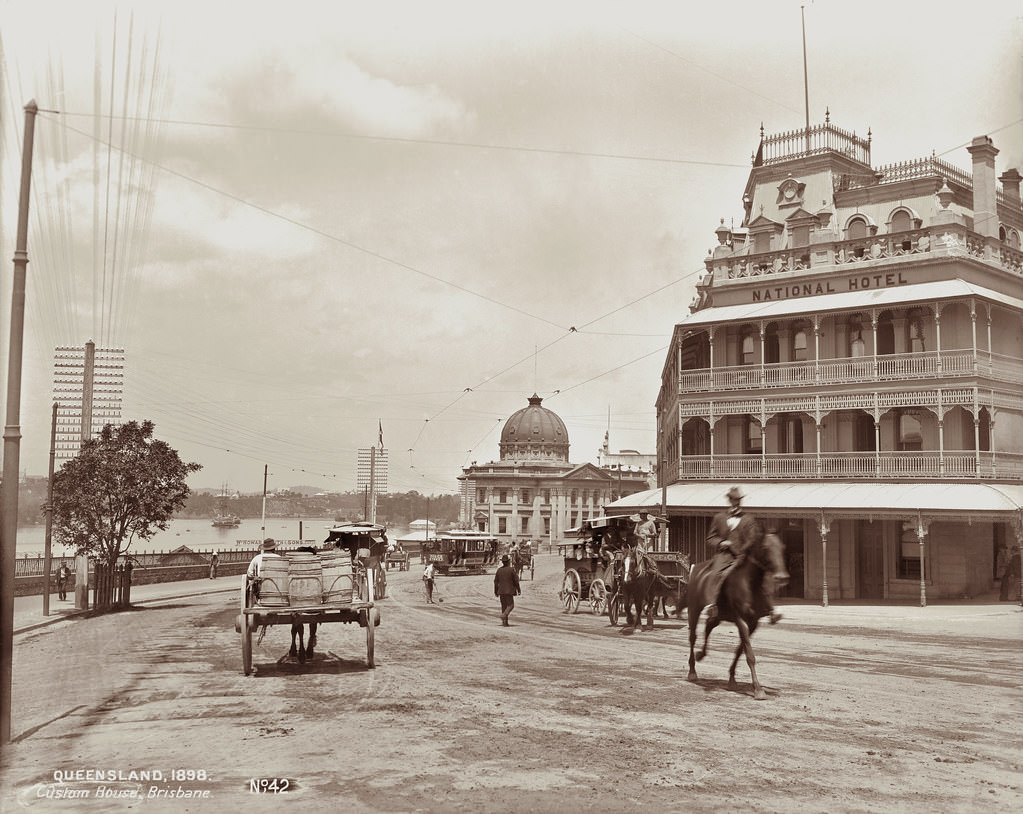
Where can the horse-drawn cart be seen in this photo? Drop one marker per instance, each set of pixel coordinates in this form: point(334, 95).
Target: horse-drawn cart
point(522, 559)
point(300, 588)
point(399, 558)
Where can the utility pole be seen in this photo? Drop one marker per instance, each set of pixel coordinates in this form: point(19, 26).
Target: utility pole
point(372, 485)
point(47, 553)
point(12, 434)
point(262, 528)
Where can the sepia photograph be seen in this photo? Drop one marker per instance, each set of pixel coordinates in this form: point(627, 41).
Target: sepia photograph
point(415, 408)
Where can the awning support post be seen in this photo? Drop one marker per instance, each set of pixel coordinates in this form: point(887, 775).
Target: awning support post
point(921, 533)
point(824, 528)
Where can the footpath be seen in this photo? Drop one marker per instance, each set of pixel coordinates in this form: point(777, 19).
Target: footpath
point(986, 615)
point(28, 610)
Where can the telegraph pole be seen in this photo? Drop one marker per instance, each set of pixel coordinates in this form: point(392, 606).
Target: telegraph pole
point(12, 434)
point(47, 549)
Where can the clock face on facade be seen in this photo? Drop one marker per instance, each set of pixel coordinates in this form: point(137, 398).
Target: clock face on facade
point(790, 191)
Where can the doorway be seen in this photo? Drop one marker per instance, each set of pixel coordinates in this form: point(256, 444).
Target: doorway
point(870, 560)
point(791, 533)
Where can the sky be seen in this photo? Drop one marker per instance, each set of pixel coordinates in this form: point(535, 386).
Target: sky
point(311, 226)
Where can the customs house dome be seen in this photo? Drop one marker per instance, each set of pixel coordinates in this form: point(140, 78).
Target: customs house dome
point(534, 433)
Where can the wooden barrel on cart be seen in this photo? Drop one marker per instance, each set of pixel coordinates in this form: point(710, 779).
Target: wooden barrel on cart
point(304, 586)
point(273, 589)
point(337, 576)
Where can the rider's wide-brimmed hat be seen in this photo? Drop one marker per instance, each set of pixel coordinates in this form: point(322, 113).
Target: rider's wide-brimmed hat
point(269, 544)
point(506, 559)
point(735, 491)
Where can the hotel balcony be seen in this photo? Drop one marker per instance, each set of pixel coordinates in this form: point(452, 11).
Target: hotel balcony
point(950, 366)
point(931, 242)
point(926, 465)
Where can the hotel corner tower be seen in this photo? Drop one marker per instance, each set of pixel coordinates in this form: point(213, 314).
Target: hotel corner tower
point(853, 360)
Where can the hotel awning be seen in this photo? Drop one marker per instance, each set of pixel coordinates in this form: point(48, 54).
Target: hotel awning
point(961, 501)
point(871, 298)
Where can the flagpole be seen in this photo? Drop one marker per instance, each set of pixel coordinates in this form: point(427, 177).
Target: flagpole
point(806, 81)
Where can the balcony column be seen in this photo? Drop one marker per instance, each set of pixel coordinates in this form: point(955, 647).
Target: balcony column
point(763, 355)
point(976, 437)
point(877, 440)
point(816, 348)
point(819, 465)
point(937, 333)
point(825, 526)
point(921, 534)
point(710, 418)
point(763, 438)
point(873, 339)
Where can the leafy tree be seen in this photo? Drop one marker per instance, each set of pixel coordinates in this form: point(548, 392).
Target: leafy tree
point(123, 486)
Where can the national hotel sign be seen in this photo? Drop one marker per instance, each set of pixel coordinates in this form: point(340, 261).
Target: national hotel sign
point(859, 282)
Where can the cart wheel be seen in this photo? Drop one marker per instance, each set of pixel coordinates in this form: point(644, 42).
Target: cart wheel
point(246, 644)
point(614, 608)
point(598, 597)
point(571, 590)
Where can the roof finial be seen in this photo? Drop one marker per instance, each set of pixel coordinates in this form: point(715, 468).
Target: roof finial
point(761, 130)
point(827, 115)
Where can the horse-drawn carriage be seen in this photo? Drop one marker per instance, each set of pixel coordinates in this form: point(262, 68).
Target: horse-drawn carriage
point(593, 564)
point(311, 587)
point(588, 577)
point(462, 552)
point(522, 558)
point(662, 579)
point(364, 536)
point(398, 557)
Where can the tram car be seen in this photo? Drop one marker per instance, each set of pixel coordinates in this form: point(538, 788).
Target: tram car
point(455, 553)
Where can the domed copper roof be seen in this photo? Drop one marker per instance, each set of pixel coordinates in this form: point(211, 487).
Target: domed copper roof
point(534, 433)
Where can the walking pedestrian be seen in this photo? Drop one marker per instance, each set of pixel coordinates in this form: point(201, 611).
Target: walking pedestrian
point(214, 562)
point(429, 573)
point(63, 575)
point(506, 588)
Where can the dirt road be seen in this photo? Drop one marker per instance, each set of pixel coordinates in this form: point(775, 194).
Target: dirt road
point(869, 709)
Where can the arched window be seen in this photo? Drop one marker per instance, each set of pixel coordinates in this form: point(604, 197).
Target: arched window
point(857, 344)
point(753, 440)
point(901, 221)
point(799, 346)
point(915, 331)
point(856, 229)
point(910, 430)
point(747, 348)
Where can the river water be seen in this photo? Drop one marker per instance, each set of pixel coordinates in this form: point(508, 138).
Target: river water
point(200, 535)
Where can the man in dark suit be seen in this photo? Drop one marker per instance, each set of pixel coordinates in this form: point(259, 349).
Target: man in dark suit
point(506, 587)
point(731, 533)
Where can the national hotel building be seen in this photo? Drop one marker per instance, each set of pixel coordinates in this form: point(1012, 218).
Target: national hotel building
point(853, 360)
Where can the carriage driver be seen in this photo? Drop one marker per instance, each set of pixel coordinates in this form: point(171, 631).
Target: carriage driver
point(255, 566)
point(728, 535)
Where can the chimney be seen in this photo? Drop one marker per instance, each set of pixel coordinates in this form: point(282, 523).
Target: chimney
point(985, 213)
point(1010, 183)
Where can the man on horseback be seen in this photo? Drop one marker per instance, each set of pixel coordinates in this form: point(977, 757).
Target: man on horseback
point(732, 533)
